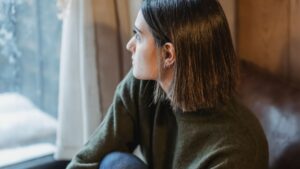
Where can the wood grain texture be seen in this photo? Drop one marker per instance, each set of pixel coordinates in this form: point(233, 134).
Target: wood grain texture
point(229, 7)
point(294, 59)
point(263, 34)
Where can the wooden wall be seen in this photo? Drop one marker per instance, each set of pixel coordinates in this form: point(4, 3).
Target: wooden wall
point(268, 35)
point(294, 40)
point(229, 7)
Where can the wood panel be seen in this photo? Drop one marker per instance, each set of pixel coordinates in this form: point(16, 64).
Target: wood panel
point(263, 34)
point(294, 60)
point(229, 7)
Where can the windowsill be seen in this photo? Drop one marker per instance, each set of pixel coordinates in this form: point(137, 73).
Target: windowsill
point(12, 157)
point(26, 131)
point(31, 163)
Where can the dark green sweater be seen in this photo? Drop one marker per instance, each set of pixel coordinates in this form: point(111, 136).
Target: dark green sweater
point(227, 137)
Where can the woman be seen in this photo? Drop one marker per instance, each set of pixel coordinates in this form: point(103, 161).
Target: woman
point(178, 101)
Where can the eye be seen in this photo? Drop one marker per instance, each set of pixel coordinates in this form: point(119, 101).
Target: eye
point(136, 35)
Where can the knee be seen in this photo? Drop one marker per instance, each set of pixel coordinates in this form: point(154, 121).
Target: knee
point(121, 160)
point(110, 160)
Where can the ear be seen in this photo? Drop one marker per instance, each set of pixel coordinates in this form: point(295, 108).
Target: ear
point(169, 55)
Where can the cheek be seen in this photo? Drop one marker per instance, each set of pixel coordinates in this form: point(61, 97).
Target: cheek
point(145, 64)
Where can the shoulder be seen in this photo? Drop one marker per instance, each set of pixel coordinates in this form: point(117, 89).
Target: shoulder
point(231, 132)
point(240, 127)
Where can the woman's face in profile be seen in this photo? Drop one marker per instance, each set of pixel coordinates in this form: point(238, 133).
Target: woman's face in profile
point(144, 51)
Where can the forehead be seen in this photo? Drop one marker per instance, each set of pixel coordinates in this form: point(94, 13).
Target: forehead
point(141, 24)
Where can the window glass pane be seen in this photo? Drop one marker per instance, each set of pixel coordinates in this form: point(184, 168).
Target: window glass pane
point(30, 35)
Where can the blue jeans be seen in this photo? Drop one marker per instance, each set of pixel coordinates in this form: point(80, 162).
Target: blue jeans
point(121, 160)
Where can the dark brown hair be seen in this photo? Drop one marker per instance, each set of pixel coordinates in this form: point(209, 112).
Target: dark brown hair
point(205, 71)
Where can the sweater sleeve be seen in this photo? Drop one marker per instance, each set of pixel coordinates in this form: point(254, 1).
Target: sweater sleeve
point(117, 132)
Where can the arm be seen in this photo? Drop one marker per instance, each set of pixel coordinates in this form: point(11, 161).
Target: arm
point(116, 132)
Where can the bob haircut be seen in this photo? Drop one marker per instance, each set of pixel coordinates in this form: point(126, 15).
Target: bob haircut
point(206, 66)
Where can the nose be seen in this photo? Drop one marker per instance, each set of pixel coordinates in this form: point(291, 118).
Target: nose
point(130, 45)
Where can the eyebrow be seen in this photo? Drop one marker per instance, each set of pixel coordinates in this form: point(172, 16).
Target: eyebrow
point(135, 29)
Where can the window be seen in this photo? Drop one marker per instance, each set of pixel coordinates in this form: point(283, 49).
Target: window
point(30, 35)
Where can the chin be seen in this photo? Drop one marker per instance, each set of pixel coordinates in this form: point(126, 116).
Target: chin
point(135, 74)
point(140, 76)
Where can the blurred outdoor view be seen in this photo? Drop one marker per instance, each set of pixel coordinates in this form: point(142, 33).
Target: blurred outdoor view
point(30, 35)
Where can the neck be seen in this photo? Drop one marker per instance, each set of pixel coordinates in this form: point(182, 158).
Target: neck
point(166, 80)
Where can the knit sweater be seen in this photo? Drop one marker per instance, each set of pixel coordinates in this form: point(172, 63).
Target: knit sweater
point(226, 137)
